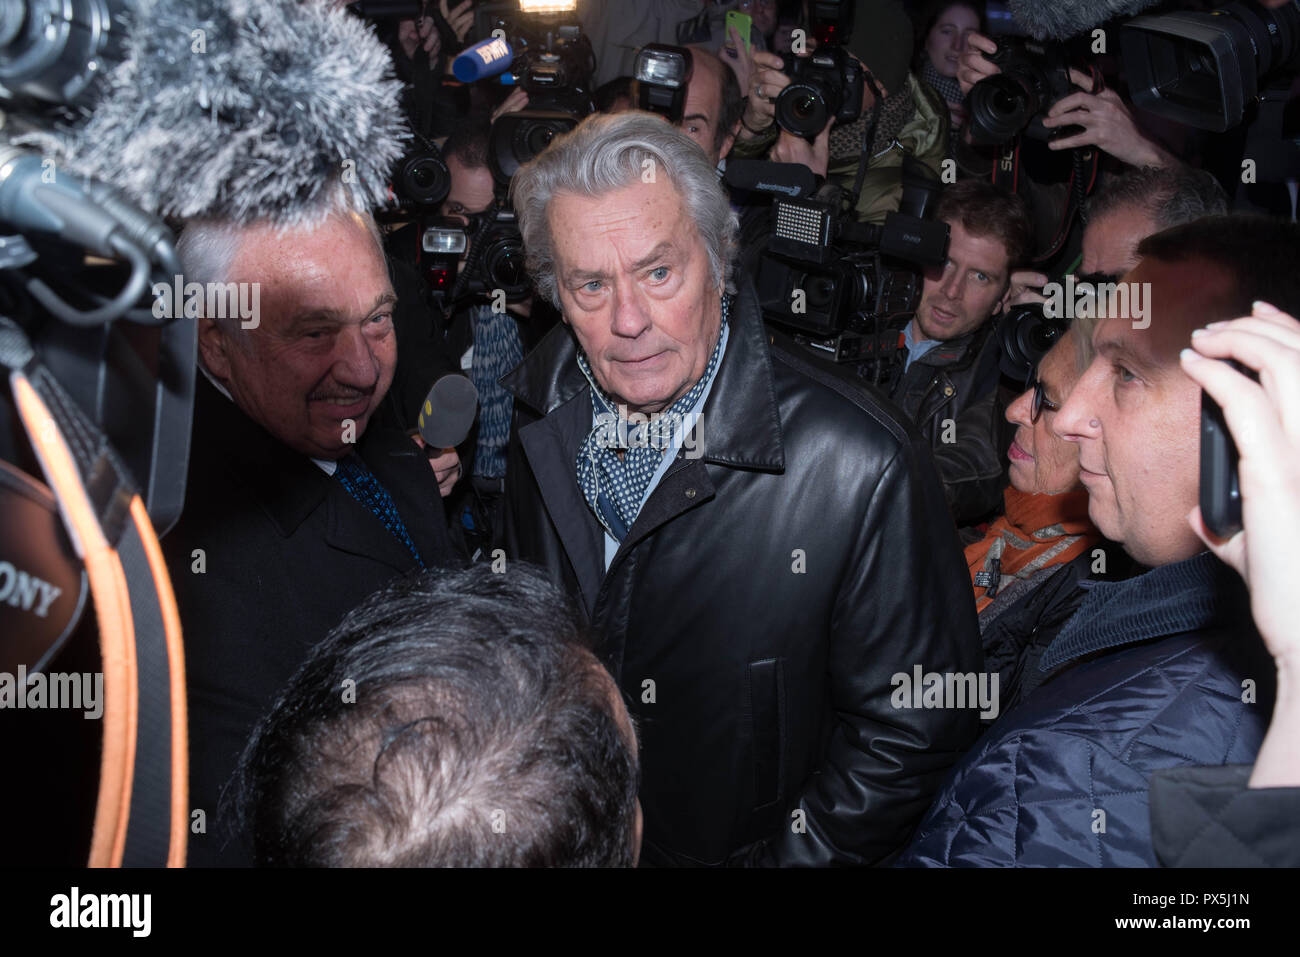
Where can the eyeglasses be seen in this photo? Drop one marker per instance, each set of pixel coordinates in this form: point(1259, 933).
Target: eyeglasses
point(1041, 402)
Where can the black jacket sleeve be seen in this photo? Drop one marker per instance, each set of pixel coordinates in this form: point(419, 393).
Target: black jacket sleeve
point(970, 466)
point(885, 762)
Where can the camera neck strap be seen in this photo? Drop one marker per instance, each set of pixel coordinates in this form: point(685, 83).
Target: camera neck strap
point(868, 137)
point(1085, 164)
point(142, 813)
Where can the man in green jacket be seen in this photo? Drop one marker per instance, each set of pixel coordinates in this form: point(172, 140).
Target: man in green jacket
point(910, 118)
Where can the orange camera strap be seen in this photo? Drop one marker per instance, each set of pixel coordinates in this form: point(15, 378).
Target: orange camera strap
point(141, 817)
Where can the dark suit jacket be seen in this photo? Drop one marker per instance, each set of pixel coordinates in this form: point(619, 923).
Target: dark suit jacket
point(268, 555)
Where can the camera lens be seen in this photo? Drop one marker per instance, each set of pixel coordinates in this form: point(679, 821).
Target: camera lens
point(424, 179)
point(538, 138)
point(801, 109)
point(504, 265)
point(1000, 107)
point(1026, 335)
point(819, 289)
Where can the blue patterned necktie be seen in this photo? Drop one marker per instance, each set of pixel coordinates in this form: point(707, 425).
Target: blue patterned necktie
point(614, 487)
point(359, 482)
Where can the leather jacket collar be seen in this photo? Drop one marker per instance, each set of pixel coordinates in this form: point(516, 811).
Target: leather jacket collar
point(952, 351)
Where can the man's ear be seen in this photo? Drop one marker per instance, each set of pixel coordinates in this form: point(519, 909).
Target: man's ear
point(214, 346)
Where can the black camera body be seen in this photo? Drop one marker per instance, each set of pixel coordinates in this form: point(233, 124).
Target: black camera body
point(553, 63)
point(1026, 334)
point(552, 60)
point(1034, 76)
point(497, 254)
point(493, 249)
point(824, 86)
point(1208, 68)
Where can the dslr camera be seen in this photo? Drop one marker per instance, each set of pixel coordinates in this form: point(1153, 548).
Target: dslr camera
point(1034, 76)
point(421, 180)
point(495, 255)
point(824, 86)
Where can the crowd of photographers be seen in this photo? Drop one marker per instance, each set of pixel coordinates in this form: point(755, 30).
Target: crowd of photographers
point(775, 311)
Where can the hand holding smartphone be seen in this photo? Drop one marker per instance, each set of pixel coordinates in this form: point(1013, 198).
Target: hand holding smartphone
point(1220, 481)
point(743, 23)
point(1250, 459)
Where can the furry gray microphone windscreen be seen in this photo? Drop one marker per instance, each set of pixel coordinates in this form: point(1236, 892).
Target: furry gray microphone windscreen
point(244, 110)
point(1062, 19)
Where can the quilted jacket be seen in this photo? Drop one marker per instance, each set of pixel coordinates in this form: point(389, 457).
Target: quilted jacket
point(1168, 672)
point(1209, 817)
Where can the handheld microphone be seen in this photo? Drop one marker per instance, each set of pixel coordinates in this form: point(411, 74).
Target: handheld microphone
point(486, 58)
point(448, 412)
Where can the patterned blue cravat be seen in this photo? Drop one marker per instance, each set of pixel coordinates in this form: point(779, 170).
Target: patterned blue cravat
point(359, 482)
point(614, 487)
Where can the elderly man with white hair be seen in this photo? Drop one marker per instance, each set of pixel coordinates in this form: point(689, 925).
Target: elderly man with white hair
point(760, 545)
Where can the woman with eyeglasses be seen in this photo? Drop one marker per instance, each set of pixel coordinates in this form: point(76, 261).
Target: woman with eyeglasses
point(1045, 523)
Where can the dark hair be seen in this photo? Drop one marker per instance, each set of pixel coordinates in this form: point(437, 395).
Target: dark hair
point(1258, 252)
point(987, 210)
point(452, 719)
point(470, 140)
point(1172, 195)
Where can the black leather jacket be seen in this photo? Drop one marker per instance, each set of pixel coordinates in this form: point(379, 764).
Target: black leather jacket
point(951, 393)
point(759, 606)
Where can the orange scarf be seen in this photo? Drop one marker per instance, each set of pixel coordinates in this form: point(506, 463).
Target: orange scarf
point(1036, 532)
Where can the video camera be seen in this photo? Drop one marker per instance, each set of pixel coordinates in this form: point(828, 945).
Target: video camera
point(534, 49)
point(1034, 76)
point(1207, 69)
point(843, 287)
point(94, 448)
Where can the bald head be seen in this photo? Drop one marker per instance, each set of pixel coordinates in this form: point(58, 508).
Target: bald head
point(711, 114)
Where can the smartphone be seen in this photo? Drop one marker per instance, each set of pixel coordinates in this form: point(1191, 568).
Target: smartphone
point(1220, 488)
point(743, 23)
